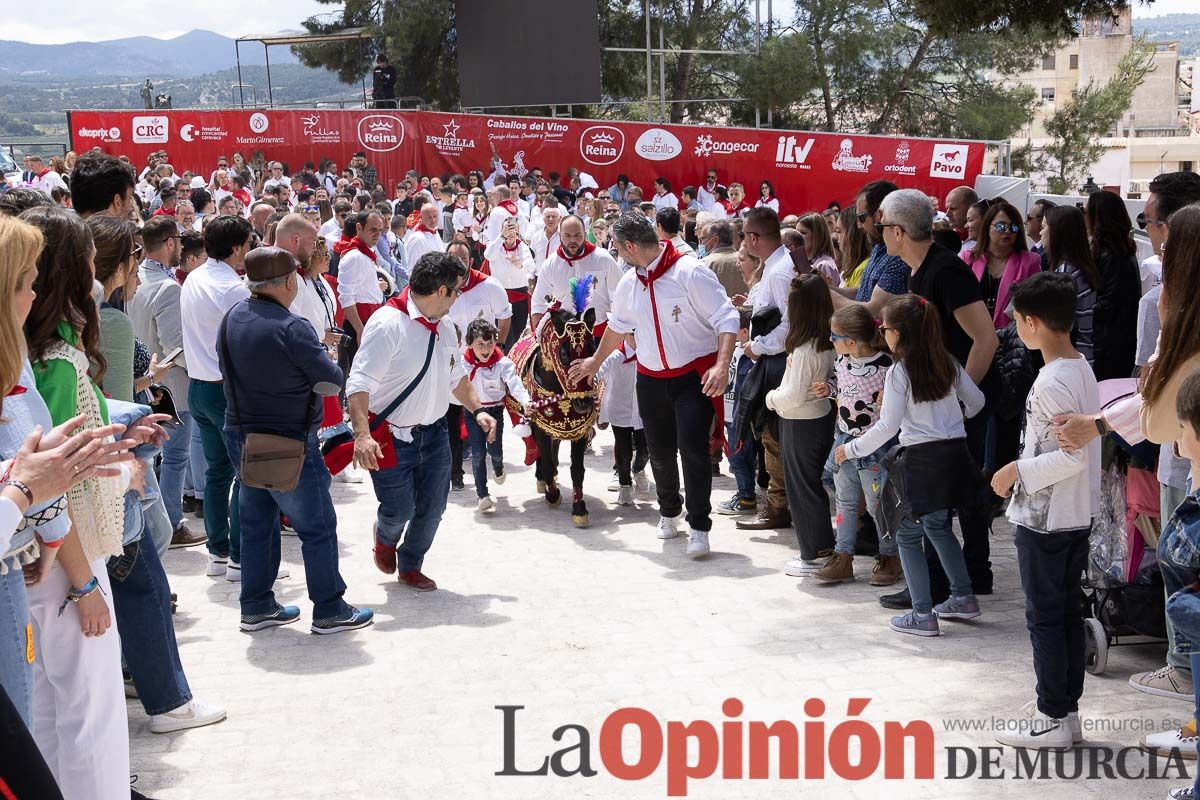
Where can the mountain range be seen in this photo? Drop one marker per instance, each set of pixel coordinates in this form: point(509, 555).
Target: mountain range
point(193, 53)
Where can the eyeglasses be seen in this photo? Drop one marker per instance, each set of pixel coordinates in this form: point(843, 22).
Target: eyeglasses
point(1006, 227)
point(1033, 217)
point(1143, 221)
point(862, 215)
point(543, 192)
point(835, 337)
point(889, 225)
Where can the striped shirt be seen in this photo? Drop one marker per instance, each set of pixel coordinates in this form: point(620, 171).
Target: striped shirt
point(1083, 335)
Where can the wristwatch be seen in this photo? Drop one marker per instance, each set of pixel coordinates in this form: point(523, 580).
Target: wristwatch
point(1101, 426)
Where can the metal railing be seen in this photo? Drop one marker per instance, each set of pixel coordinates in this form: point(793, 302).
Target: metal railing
point(45, 149)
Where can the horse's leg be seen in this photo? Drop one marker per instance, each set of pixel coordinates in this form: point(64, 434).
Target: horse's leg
point(579, 512)
point(547, 466)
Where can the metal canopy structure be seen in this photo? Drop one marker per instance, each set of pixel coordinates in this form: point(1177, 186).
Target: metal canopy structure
point(287, 39)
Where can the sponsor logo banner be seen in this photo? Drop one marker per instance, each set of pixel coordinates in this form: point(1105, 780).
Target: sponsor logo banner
point(602, 145)
point(900, 165)
point(949, 161)
point(380, 133)
point(448, 142)
point(657, 144)
point(846, 161)
point(151, 129)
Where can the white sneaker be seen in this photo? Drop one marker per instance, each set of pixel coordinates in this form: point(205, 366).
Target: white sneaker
point(1182, 793)
point(216, 566)
point(615, 483)
point(625, 496)
point(349, 475)
point(697, 543)
point(233, 572)
point(666, 527)
point(283, 573)
point(1179, 743)
point(641, 482)
point(802, 567)
point(1075, 725)
point(194, 714)
point(487, 504)
point(1036, 731)
point(499, 477)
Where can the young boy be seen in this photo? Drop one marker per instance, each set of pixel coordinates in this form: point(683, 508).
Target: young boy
point(1054, 499)
point(744, 462)
point(1181, 542)
point(493, 375)
point(619, 408)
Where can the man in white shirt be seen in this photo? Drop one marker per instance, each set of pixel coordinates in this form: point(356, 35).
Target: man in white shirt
point(575, 258)
point(298, 236)
point(209, 292)
point(505, 210)
point(44, 179)
point(667, 223)
point(331, 229)
point(545, 239)
point(511, 263)
point(764, 240)
point(359, 295)
point(663, 196)
point(706, 195)
point(409, 349)
point(424, 238)
point(277, 177)
point(684, 327)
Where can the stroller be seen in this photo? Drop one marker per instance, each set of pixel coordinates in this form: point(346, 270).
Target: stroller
point(1123, 589)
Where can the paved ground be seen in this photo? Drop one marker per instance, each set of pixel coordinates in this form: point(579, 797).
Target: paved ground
point(574, 624)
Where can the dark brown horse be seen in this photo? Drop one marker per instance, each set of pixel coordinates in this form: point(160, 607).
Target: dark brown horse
point(561, 411)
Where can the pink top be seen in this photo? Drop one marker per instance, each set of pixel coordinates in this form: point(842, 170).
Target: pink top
point(1020, 266)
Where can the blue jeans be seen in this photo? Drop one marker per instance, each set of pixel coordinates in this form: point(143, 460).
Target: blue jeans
point(422, 472)
point(16, 673)
point(142, 601)
point(743, 464)
point(480, 449)
point(1183, 609)
point(853, 480)
point(310, 510)
point(1175, 578)
point(193, 479)
point(176, 455)
point(935, 525)
point(207, 403)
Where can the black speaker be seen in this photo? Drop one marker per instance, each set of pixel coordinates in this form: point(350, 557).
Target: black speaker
point(528, 52)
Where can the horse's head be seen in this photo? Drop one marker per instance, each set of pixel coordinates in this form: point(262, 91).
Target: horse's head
point(566, 338)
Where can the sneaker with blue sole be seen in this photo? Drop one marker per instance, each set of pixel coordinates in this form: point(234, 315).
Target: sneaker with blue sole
point(352, 620)
point(282, 615)
point(916, 624)
point(964, 607)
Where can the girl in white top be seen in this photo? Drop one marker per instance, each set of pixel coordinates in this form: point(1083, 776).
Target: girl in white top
point(767, 197)
point(494, 376)
point(921, 396)
point(619, 408)
point(806, 421)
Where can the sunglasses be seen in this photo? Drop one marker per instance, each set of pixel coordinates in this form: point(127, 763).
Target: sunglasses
point(312, 209)
point(1006, 227)
point(1032, 217)
point(1143, 221)
point(885, 329)
point(862, 215)
point(837, 337)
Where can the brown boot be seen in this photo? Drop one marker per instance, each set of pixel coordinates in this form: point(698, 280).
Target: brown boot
point(768, 519)
point(840, 569)
point(887, 571)
point(183, 537)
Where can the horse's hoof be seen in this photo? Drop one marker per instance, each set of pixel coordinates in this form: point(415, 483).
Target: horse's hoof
point(580, 520)
point(541, 487)
point(553, 496)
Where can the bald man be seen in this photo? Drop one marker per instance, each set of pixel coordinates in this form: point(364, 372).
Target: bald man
point(577, 258)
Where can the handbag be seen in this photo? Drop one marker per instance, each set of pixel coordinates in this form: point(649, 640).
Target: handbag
point(338, 450)
point(269, 461)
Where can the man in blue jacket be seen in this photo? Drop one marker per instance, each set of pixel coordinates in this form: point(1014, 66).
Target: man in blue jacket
point(275, 371)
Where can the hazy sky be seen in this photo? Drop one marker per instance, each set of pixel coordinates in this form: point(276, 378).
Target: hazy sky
point(58, 21)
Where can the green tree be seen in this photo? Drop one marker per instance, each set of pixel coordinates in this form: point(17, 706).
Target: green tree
point(1077, 127)
point(879, 66)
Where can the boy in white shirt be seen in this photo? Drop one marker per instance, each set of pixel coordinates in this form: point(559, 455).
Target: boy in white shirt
point(619, 408)
point(1055, 496)
point(493, 375)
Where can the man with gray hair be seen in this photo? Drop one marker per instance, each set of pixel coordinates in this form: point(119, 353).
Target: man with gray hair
point(716, 245)
point(684, 326)
point(947, 283)
point(505, 210)
point(275, 371)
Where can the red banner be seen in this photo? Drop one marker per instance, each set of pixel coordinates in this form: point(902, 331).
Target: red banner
point(807, 170)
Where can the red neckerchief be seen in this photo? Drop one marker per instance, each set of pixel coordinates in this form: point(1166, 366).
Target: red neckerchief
point(163, 211)
point(660, 194)
point(400, 301)
point(42, 174)
point(474, 278)
point(346, 245)
point(422, 229)
point(767, 199)
point(16, 390)
point(509, 206)
point(180, 276)
point(725, 204)
point(626, 354)
point(476, 365)
point(504, 244)
point(963, 233)
point(667, 260)
point(481, 218)
point(588, 248)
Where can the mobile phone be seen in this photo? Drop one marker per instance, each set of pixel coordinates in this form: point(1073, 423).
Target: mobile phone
point(171, 356)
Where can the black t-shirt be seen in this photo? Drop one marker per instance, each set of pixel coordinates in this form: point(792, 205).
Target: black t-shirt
point(383, 79)
point(991, 288)
point(946, 281)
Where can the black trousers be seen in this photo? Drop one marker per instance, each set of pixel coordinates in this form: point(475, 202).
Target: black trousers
point(454, 421)
point(520, 317)
point(630, 453)
point(805, 444)
point(1051, 566)
point(975, 523)
point(23, 771)
point(677, 419)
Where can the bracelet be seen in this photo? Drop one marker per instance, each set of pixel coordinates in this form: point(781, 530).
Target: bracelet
point(21, 487)
point(57, 543)
point(75, 595)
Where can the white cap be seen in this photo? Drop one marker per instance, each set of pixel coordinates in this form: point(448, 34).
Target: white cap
point(197, 182)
